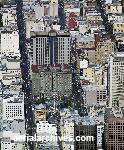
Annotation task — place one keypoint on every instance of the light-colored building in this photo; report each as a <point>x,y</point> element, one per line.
<point>100,131</point>
<point>39,11</point>
<point>116,80</point>
<point>50,131</point>
<point>85,41</point>
<point>56,27</point>
<point>9,42</point>
<point>13,66</point>
<point>108,1</point>
<point>67,130</point>
<point>105,46</point>
<point>74,10</point>
<point>118,27</point>
<point>10,70</point>
<point>83,27</point>
<point>99,76</point>
<point>53,10</point>
<point>114,9</point>
<point>93,16</point>
<point>90,55</point>
<point>7,144</point>
<point>9,17</point>
<point>13,135</point>
<point>86,48</point>
<point>115,17</point>
<point>13,121</point>
<point>119,37</point>
<point>86,53</point>
<point>33,25</point>
<point>95,95</point>
<point>6,2</point>
<point>88,74</point>
<point>13,107</point>
<point>45,127</point>
<point>40,113</point>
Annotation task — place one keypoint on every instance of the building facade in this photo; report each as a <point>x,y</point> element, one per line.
<point>9,42</point>
<point>94,95</point>
<point>67,130</point>
<point>13,108</point>
<point>118,27</point>
<point>60,83</point>
<point>50,47</point>
<point>53,9</point>
<point>86,127</point>
<point>116,80</point>
<point>104,47</point>
<point>114,129</point>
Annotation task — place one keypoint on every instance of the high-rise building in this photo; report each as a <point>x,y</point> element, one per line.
<point>116,80</point>
<point>60,82</point>
<point>53,10</point>
<point>105,46</point>
<point>122,2</point>
<point>114,137</point>
<point>50,47</point>
<point>88,128</point>
<point>100,131</point>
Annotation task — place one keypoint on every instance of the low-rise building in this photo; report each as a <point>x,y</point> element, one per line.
<point>114,9</point>
<point>118,27</point>
<point>13,107</point>
<point>47,130</point>
<point>67,130</point>
<point>13,132</point>
<point>95,95</point>
<point>88,73</point>
<point>9,42</point>
<point>9,17</point>
<point>40,112</point>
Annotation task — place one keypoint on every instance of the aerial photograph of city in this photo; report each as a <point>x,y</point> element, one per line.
<point>61,74</point>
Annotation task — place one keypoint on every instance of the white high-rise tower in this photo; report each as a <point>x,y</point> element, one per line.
<point>53,10</point>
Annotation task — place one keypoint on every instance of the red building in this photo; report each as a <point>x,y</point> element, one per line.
<point>72,24</point>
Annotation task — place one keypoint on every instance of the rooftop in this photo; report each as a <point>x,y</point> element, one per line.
<point>11,98</point>
<point>86,120</point>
